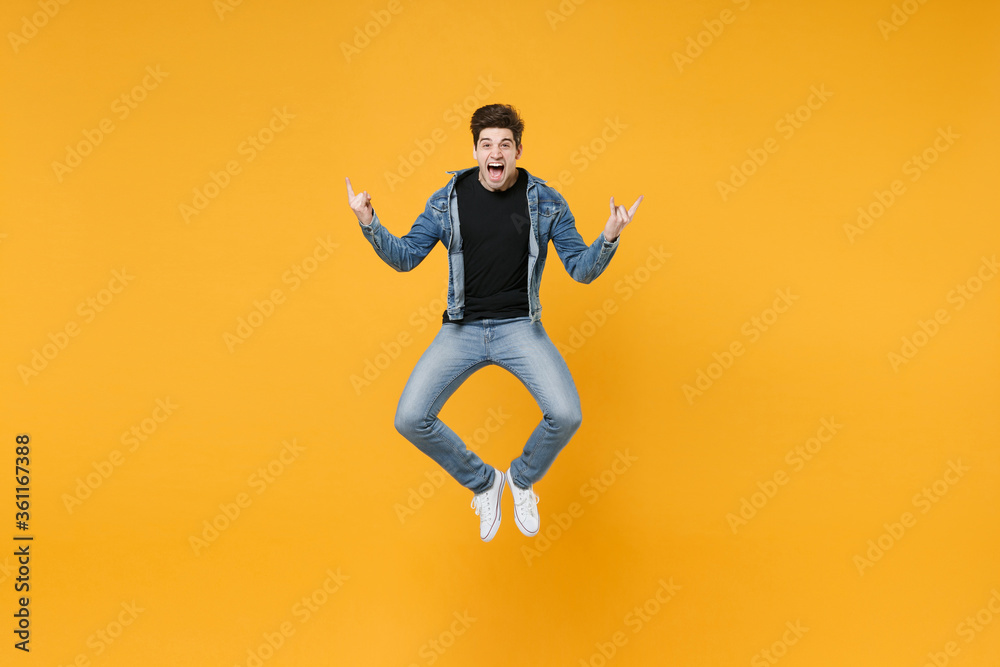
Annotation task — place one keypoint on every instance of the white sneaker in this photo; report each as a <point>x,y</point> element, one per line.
<point>487,506</point>
<point>525,510</point>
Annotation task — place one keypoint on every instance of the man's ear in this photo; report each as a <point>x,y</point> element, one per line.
<point>520,149</point>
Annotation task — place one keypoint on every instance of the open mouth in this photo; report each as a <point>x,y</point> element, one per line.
<point>495,170</point>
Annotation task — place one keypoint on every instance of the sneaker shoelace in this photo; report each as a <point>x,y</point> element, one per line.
<point>527,501</point>
<point>478,502</point>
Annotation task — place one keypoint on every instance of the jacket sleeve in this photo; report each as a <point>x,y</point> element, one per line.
<point>583,263</point>
<point>403,254</point>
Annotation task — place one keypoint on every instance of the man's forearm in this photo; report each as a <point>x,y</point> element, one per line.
<point>402,254</point>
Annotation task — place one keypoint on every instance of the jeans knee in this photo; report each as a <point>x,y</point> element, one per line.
<point>407,424</point>
<point>575,420</point>
<point>567,420</point>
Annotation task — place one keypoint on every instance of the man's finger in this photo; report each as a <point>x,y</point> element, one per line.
<point>631,211</point>
<point>350,190</point>
<point>612,205</point>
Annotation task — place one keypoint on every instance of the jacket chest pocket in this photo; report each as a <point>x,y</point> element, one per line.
<point>547,213</point>
<point>547,210</point>
<point>440,210</point>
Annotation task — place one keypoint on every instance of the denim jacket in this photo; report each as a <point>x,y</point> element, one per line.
<point>550,218</point>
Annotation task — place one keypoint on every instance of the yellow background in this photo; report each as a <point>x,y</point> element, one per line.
<point>335,507</point>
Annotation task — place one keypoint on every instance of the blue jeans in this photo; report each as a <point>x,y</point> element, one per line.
<point>458,351</point>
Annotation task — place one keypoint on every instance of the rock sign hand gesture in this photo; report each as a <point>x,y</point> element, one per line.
<point>619,219</point>
<point>361,203</point>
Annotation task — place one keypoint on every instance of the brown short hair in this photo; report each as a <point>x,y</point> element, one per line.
<point>502,116</point>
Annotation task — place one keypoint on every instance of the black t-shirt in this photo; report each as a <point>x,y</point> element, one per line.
<point>495,228</point>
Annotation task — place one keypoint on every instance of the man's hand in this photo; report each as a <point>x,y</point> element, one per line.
<point>619,219</point>
<point>361,204</point>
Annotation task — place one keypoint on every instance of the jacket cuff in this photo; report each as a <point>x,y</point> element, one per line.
<point>373,226</point>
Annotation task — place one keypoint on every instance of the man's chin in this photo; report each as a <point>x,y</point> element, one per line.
<point>504,181</point>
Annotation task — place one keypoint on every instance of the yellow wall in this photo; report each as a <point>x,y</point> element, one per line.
<point>790,422</point>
